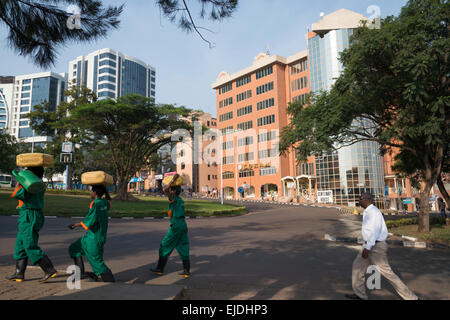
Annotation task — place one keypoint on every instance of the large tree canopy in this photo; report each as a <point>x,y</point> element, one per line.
<point>394,90</point>
<point>133,128</point>
<point>58,126</point>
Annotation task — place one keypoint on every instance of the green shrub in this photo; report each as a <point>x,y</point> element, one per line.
<point>411,221</point>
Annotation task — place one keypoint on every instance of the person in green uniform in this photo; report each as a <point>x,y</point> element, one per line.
<point>31,221</point>
<point>177,236</point>
<point>92,243</point>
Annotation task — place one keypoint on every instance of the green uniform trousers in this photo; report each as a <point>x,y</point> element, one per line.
<point>176,238</point>
<point>93,251</point>
<point>30,222</point>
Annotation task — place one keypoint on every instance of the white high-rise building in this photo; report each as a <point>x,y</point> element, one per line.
<point>21,94</point>
<point>6,102</point>
<point>111,74</point>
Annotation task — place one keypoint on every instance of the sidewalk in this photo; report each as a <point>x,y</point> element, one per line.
<point>57,289</point>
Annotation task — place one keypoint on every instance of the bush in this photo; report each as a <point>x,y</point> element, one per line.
<point>411,221</point>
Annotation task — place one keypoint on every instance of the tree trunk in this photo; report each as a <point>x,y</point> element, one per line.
<point>444,193</point>
<point>424,208</point>
<point>122,192</point>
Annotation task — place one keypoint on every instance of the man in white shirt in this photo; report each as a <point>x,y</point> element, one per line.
<point>374,252</point>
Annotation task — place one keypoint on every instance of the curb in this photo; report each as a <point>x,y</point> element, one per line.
<point>406,243</point>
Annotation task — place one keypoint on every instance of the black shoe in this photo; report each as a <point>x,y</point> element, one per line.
<point>84,275</point>
<point>159,270</point>
<point>46,266</point>
<point>19,276</point>
<point>186,269</point>
<point>107,276</point>
<point>353,297</point>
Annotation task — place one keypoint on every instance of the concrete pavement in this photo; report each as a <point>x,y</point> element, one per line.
<point>275,252</point>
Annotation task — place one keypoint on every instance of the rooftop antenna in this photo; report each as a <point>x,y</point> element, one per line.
<point>268,50</point>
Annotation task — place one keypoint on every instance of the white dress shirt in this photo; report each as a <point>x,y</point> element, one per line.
<point>373,226</point>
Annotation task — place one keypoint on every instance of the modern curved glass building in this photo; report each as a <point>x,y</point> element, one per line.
<point>111,74</point>
<point>351,170</point>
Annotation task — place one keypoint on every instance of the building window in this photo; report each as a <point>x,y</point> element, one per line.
<point>245,141</point>
<point>107,78</point>
<point>267,136</point>
<point>264,72</point>
<point>267,171</point>
<point>265,104</point>
<point>107,70</point>
<point>246,173</point>
<point>228,175</point>
<point>245,126</point>
<point>108,55</point>
<point>226,102</point>
<point>107,86</point>
<point>264,88</point>
<point>228,160</point>
<point>244,95</point>
<point>269,153</point>
<point>106,94</point>
<point>299,84</point>
<point>226,130</point>
<point>225,88</point>
<point>244,157</point>
<point>228,145</point>
<point>226,116</point>
<point>299,67</point>
<point>243,111</point>
<point>264,121</point>
<point>243,81</point>
<point>108,63</point>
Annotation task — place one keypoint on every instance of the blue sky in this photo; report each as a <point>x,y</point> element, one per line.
<point>185,65</point>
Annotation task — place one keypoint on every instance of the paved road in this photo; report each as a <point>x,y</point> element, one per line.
<point>274,252</point>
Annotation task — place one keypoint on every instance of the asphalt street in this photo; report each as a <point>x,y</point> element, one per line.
<point>274,252</point>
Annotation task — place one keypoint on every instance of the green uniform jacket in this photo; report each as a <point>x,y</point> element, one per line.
<point>31,221</point>
<point>96,221</point>
<point>91,244</point>
<point>177,236</point>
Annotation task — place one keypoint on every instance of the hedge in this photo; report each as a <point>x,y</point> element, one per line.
<point>412,221</point>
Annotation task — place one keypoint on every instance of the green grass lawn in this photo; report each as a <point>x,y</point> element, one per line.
<point>438,233</point>
<point>78,206</point>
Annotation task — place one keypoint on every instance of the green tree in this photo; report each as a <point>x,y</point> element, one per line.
<point>394,90</point>
<point>58,126</point>
<point>8,153</point>
<point>133,128</point>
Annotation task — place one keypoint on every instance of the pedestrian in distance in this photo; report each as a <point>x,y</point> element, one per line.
<point>441,205</point>
<point>92,243</point>
<point>177,236</point>
<point>31,220</point>
<point>374,253</point>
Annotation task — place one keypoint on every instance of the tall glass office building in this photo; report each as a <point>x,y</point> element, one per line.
<point>351,170</point>
<point>28,91</point>
<point>111,74</point>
